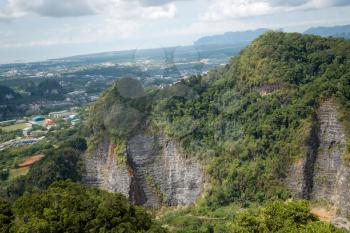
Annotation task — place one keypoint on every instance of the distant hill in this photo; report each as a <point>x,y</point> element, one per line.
<point>50,89</point>
<point>231,37</point>
<point>189,52</point>
<point>7,94</point>
<point>336,31</point>
<point>47,89</point>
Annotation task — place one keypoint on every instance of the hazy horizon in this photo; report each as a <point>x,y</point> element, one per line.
<point>47,29</point>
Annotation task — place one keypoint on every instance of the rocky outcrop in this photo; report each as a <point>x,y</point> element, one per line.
<point>267,89</point>
<point>156,172</point>
<point>103,171</point>
<point>340,222</point>
<point>163,173</point>
<point>301,173</point>
<point>324,174</point>
<point>332,172</point>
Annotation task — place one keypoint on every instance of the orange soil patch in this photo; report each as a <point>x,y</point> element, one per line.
<point>30,161</point>
<point>326,215</point>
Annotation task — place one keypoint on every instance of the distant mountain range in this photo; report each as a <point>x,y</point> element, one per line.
<point>336,31</point>
<point>239,37</point>
<point>245,37</point>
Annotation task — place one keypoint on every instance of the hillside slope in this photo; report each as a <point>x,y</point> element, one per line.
<point>256,129</point>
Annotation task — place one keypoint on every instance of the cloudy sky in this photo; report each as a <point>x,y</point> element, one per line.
<point>40,29</point>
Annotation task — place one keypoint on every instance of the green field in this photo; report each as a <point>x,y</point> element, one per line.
<point>14,127</point>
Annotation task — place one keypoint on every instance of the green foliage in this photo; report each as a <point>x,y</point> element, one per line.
<point>278,216</point>
<point>190,220</point>
<point>77,143</point>
<point>60,164</point>
<point>9,158</point>
<point>4,174</point>
<point>7,95</point>
<point>49,89</point>
<point>70,207</point>
<point>6,136</point>
<point>6,216</point>
<point>38,127</point>
<point>118,112</point>
<point>120,150</point>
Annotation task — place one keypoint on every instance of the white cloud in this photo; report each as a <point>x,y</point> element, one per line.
<point>117,19</point>
<point>128,9</point>
<point>157,2</point>
<point>157,12</point>
<point>133,10</point>
<point>70,34</point>
<point>224,9</point>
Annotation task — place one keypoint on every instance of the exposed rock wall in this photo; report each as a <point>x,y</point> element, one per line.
<point>163,173</point>
<point>332,172</point>
<point>301,173</point>
<point>157,173</point>
<point>324,174</point>
<point>103,171</point>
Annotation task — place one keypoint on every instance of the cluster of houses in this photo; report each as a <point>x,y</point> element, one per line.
<point>39,126</point>
<point>20,142</point>
<point>49,122</point>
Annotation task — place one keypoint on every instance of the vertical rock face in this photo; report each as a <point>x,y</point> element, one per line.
<point>324,174</point>
<point>295,180</point>
<point>162,172</point>
<point>332,173</point>
<point>157,173</point>
<point>301,173</point>
<point>103,171</point>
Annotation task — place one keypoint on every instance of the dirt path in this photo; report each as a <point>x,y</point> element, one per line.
<point>326,215</point>
<point>30,161</point>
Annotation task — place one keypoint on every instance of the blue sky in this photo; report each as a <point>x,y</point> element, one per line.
<point>42,29</point>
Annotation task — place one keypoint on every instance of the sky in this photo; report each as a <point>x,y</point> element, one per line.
<point>34,30</point>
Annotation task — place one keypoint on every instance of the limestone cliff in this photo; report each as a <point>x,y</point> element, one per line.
<point>103,171</point>
<point>156,171</point>
<point>323,173</point>
<point>332,172</point>
<point>301,173</point>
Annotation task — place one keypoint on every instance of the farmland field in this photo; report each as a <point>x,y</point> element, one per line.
<point>14,127</point>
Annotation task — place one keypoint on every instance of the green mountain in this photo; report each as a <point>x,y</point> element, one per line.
<point>266,126</point>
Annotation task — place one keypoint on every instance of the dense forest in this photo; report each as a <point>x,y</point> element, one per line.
<point>245,122</point>
<point>69,207</point>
